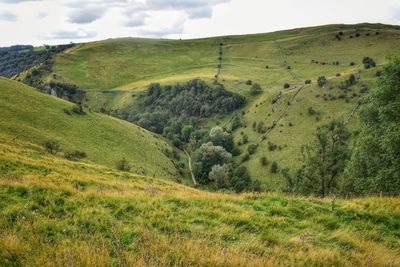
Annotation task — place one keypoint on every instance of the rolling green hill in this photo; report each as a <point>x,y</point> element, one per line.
<point>29,115</point>
<point>115,71</point>
<point>55,212</point>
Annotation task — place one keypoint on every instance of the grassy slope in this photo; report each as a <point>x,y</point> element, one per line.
<point>131,64</point>
<point>29,115</point>
<point>55,212</point>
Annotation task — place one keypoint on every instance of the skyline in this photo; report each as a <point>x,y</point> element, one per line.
<point>40,22</point>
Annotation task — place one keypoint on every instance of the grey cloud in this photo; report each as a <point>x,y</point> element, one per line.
<point>42,15</point>
<point>135,22</point>
<point>78,34</point>
<point>175,29</point>
<point>86,15</point>
<point>7,16</point>
<point>194,8</point>
<point>200,12</point>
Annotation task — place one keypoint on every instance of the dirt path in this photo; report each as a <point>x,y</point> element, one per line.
<point>190,167</point>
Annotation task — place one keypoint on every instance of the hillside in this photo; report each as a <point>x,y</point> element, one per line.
<point>34,117</point>
<point>114,72</point>
<point>55,212</point>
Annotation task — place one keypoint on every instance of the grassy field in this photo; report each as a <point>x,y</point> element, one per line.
<point>115,71</point>
<point>55,212</point>
<point>29,115</point>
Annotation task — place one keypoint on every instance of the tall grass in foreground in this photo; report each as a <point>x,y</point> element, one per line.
<point>59,213</point>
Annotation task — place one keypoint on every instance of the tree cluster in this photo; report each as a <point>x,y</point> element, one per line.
<point>19,58</point>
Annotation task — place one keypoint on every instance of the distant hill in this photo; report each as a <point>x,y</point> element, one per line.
<point>114,72</point>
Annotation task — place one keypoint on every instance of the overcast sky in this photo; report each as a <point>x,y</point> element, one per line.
<point>40,22</point>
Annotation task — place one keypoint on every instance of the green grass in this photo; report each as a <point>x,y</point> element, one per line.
<point>29,115</point>
<point>55,212</point>
<point>129,65</point>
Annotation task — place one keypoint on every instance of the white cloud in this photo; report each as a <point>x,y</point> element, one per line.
<point>54,21</point>
<point>70,35</point>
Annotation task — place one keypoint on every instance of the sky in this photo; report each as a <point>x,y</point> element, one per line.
<point>39,22</point>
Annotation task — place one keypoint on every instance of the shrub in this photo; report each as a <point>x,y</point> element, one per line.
<point>322,81</point>
<point>249,82</point>
<point>352,63</point>
<point>311,111</point>
<point>307,82</point>
<point>261,127</point>
<point>252,148</point>
<point>245,139</point>
<point>286,85</point>
<point>255,89</point>
<point>245,157</point>
<point>272,146</point>
<point>77,109</point>
<point>369,63</point>
<point>123,165</point>
<point>274,167</point>
<point>264,161</point>
<point>51,146</point>
<point>75,155</point>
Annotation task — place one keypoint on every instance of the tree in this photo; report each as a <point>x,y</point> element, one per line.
<point>51,146</point>
<point>123,165</point>
<point>324,160</point>
<point>241,179</point>
<point>369,62</point>
<point>322,81</point>
<point>255,89</point>
<point>219,137</point>
<point>286,86</point>
<point>206,157</point>
<point>374,166</point>
<point>186,132</point>
<point>220,174</point>
<point>351,80</point>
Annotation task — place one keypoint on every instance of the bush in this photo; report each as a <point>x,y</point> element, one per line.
<point>286,85</point>
<point>245,139</point>
<point>245,157</point>
<point>369,63</point>
<point>75,155</point>
<point>264,161</point>
<point>255,89</point>
<point>123,165</point>
<point>77,109</point>
<point>261,127</point>
<point>272,146</point>
<point>252,148</point>
<point>311,111</point>
<point>51,146</point>
<point>274,167</point>
<point>249,82</point>
<point>307,82</point>
<point>322,81</point>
